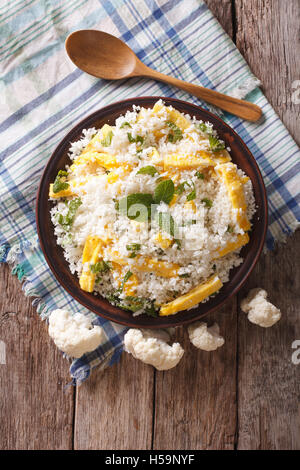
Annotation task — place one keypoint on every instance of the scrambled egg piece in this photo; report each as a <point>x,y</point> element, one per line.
<point>131,284</point>
<point>234,186</point>
<point>95,143</point>
<point>242,239</point>
<point>189,162</point>
<point>64,193</point>
<point>91,254</point>
<point>163,242</point>
<point>160,268</point>
<point>192,298</point>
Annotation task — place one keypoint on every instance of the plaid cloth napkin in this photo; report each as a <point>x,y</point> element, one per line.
<point>45,95</point>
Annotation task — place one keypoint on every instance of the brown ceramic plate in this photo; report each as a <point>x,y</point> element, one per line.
<point>54,254</point>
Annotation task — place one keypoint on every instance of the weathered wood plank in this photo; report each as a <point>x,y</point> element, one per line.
<point>268,37</point>
<point>114,409</point>
<point>36,410</point>
<point>223,12</point>
<point>268,381</point>
<point>196,401</point>
<point>267,33</point>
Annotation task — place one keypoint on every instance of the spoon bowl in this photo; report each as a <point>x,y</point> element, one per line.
<point>101,54</point>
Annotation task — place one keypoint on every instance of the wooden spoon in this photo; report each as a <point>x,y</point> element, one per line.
<point>105,56</point>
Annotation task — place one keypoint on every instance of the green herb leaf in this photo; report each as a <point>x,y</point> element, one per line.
<point>178,243</point>
<point>116,204</point>
<point>130,138</point>
<point>107,141</point>
<point>166,222</point>
<point>204,127</point>
<point>199,175</point>
<point>230,229</point>
<point>192,195</point>
<point>207,202</point>
<point>175,134</point>
<point>126,277</point>
<point>100,267</point>
<point>133,247</point>
<point>147,170</point>
<point>132,255</point>
<point>137,303</point>
<point>133,304</point>
<point>67,220</point>
<point>184,275</point>
<point>164,191</point>
<point>182,187</point>
<point>141,214</point>
<point>138,139</point>
<point>125,124</point>
<point>151,311</point>
<point>60,183</point>
<point>215,143</point>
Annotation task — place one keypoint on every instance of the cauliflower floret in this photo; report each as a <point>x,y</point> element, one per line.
<point>260,311</point>
<point>205,338</point>
<point>74,334</point>
<point>152,348</point>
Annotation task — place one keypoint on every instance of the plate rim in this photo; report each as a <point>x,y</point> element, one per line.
<point>164,321</point>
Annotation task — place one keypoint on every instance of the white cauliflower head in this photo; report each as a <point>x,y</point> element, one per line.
<point>74,334</point>
<point>260,311</point>
<point>151,347</point>
<point>205,338</point>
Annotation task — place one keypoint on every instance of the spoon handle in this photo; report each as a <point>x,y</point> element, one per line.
<point>241,108</point>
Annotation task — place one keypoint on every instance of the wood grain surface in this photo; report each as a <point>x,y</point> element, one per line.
<point>243,396</point>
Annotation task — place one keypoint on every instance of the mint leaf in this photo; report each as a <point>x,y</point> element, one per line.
<point>138,138</point>
<point>178,243</point>
<point>60,183</point>
<point>99,267</point>
<point>215,143</point>
<point>107,141</point>
<point>164,191</point>
<point>67,220</point>
<point>199,175</point>
<point>133,247</point>
<point>204,127</point>
<point>175,134</point>
<point>137,303</point>
<point>130,138</point>
<point>147,170</point>
<point>161,178</point>
<point>125,124</point>
<point>192,195</point>
<point>166,222</point>
<point>182,187</point>
<point>126,277</point>
<point>141,214</point>
<point>207,202</point>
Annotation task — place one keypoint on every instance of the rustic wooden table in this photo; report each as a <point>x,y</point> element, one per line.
<point>243,396</point>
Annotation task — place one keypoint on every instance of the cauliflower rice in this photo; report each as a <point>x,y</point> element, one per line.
<point>150,209</point>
